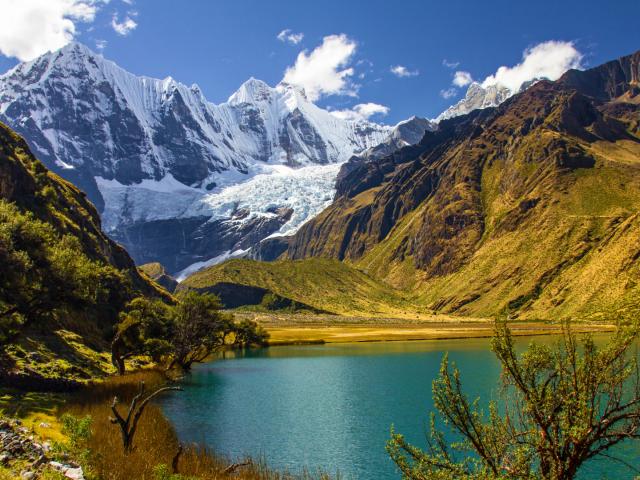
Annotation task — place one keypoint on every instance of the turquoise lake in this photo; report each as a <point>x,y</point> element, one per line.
<point>330,407</point>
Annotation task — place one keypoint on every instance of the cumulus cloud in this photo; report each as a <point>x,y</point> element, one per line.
<point>124,27</point>
<point>461,79</point>
<point>290,37</point>
<point>29,28</point>
<point>545,60</point>
<point>101,44</point>
<point>325,70</point>
<point>402,71</point>
<point>449,93</point>
<point>362,111</point>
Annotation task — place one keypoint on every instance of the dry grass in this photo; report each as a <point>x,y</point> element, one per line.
<point>293,328</point>
<point>155,442</point>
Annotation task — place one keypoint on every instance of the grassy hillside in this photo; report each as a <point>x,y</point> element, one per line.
<point>156,272</point>
<point>63,280</point>
<point>323,284</point>
<point>530,208</point>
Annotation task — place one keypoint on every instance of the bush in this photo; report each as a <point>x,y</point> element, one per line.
<point>77,429</point>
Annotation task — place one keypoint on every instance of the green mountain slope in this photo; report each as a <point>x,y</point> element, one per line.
<point>158,274</point>
<point>531,207</point>
<point>63,280</point>
<point>319,284</point>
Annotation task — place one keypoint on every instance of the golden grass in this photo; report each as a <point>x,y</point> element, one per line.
<point>292,328</point>
<point>155,442</point>
<point>347,334</point>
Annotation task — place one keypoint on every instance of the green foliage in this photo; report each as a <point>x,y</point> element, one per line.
<point>563,405</point>
<point>184,333</point>
<point>163,472</point>
<point>46,275</point>
<point>273,302</point>
<point>77,429</point>
<point>248,333</point>
<point>143,330</point>
<point>199,327</point>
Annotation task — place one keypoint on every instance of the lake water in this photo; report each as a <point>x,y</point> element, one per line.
<point>331,406</point>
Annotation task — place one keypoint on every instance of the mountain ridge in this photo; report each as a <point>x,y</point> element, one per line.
<point>127,140</point>
<point>457,217</point>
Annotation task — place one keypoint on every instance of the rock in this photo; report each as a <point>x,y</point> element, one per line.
<point>45,425</point>
<point>28,475</point>
<point>42,459</point>
<point>74,473</point>
<point>56,465</point>
<point>4,458</point>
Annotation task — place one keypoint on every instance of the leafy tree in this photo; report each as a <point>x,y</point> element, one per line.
<point>184,333</point>
<point>45,275</point>
<point>248,333</point>
<point>199,328</point>
<point>562,406</point>
<point>144,329</point>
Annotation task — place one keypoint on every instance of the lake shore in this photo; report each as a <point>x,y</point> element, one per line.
<point>287,329</point>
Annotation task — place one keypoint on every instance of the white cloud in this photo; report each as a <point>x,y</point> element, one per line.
<point>125,27</point>
<point>325,70</point>
<point>545,60</point>
<point>362,111</point>
<point>460,79</point>
<point>288,36</point>
<point>101,44</point>
<point>29,28</point>
<point>449,93</point>
<point>401,71</point>
<point>449,64</point>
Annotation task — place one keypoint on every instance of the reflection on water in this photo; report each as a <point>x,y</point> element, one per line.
<point>330,406</point>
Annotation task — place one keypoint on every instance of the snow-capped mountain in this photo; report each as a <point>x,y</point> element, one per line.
<point>477,97</point>
<point>408,132</point>
<point>178,179</point>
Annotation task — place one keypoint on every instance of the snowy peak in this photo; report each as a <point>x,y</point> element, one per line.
<point>477,97</point>
<point>83,111</point>
<point>158,159</point>
<point>480,96</point>
<point>252,91</point>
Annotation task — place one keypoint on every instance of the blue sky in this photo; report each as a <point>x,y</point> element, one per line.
<point>219,44</point>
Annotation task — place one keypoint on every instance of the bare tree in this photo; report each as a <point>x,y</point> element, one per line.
<point>129,424</point>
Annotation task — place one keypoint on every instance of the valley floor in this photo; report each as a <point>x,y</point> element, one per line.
<point>305,328</point>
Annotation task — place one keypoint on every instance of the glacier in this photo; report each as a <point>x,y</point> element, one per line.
<point>181,180</point>
<point>156,157</point>
<point>304,190</point>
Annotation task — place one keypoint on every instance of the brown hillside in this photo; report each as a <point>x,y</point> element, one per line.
<point>531,207</point>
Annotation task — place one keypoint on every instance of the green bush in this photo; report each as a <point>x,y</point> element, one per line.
<point>77,429</point>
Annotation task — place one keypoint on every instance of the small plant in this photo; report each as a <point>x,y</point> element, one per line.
<point>77,429</point>
<point>163,472</point>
